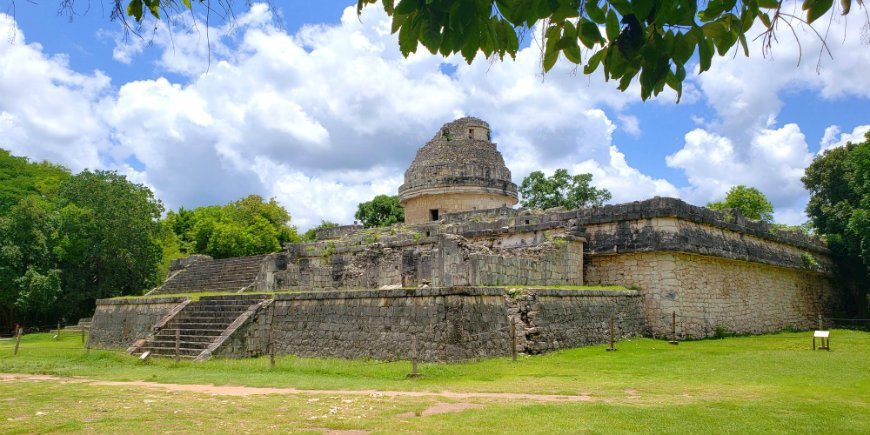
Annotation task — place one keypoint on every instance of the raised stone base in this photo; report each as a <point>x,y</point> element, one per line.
<point>450,324</point>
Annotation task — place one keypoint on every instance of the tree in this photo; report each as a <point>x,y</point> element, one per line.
<point>749,200</point>
<point>29,277</point>
<point>109,239</point>
<point>19,178</point>
<point>382,211</point>
<point>561,190</point>
<point>651,39</point>
<point>839,208</point>
<point>249,226</point>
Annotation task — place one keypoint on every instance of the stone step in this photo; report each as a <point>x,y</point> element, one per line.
<point>211,332</point>
<point>166,351</point>
<point>185,338</point>
<point>181,343</point>
<point>198,325</point>
<point>226,319</point>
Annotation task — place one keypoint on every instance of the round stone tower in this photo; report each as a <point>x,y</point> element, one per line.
<point>460,169</point>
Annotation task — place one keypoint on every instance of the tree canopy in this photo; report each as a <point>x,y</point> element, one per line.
<point>561,190</point>
<point>20,177</point>
<point>649,39</point>
<point>70,239</point>
<point>839,207</point>
<point>249,226</point>
<point>382,211</point>
<point>749,200</point>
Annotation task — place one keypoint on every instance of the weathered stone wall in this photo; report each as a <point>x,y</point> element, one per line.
<point>462,262</point>
<point>117,323</point>
<point>336,232</point>
<point>712,292</point>
<point>450,324</point>
<point>521,257</point>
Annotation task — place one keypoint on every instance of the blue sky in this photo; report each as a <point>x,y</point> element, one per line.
<point>304,102</point>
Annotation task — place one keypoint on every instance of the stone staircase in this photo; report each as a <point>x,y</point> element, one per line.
<point>224,275</point>
<point>202,326</point>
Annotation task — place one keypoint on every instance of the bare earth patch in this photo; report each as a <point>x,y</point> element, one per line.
<point>231,390</point>
<point>442,408</point>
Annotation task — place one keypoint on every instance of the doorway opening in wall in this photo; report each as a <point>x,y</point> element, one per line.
<point>433,214</point>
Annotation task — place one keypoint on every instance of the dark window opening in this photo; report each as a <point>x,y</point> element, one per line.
<point>471,133</point>
<point>487,173</point>
<point>433,214</point>
<point>527,221</point>
<point>427,234</point>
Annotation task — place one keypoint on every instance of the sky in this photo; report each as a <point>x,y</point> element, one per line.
<point>310,104</point>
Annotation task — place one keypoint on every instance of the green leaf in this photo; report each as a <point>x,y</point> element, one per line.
<point>683,49</point>
<point>405,7</point>
<point>816,8</point>
<point>134,9</point>
<point>596,14</point>
<point>725,42</point>
<point>589,34</point>
<point>407,39</point>
<point>187,4</point>
<point>643,8</point>
<point>847,5</point>
<point>572,53</point>
<point>154,7</point>
<point>593,61</point>
<point>705,53</point>
<point>622,6</point>
<point>742,38</point>
<point>551,51</point>
<point>714,29</point>
<point>768,4</point>
<point>612,26</point>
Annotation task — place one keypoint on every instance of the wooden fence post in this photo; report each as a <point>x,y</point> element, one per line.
<point>177,343</point>
<point>271,336</point>
<point>513,340</point>
<point>414,372</point>
<point>611,348</point>
<point>17,340</point>
<point>674,329</point>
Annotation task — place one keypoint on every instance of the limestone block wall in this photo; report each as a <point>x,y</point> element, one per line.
<point>450,324</point>
<point>707,292</point>
<point>417,210</point>
<point>117,323</point>
<point>459,262</point>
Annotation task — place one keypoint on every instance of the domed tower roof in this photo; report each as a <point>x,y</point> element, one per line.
<point>460,159</point>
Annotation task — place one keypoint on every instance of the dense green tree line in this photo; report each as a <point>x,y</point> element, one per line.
<point>67,240</point>
<point>839,208</point>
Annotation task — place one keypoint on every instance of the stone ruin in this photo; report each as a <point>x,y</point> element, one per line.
<point>457,279</point>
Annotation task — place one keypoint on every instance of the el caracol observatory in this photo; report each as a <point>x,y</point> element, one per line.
<point>460,169</point>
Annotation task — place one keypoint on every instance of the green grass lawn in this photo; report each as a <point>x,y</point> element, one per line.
<point>770,383</point>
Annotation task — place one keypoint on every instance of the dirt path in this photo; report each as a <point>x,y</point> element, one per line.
<point>230,390</point>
